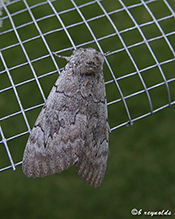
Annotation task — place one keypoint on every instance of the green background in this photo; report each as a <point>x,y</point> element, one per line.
<point>140,172</point>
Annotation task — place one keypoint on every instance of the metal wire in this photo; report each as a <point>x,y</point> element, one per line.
<point>8,22</point>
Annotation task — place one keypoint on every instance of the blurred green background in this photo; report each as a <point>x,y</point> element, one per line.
<point>140,172</point>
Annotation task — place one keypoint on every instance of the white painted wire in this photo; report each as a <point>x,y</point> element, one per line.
<point>7,15</point>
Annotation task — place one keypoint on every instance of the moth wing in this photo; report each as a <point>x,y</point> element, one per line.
<point>92,161</point>
<point>91,164</point>
<point>54,141</point>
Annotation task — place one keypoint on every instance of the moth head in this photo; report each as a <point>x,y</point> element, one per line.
<point>87,60</point>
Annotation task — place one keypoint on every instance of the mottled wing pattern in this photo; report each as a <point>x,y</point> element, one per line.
<point>91,164</point>
<point>72,126</point>
<point>55,138</point>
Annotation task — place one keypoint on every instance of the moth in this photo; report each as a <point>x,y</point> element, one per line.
<point>72,127</point>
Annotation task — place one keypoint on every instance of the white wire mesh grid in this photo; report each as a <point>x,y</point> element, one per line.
<point>21,17</point>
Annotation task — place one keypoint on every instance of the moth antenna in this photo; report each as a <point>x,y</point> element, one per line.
<point>106,53</point>
<point>63,57</point>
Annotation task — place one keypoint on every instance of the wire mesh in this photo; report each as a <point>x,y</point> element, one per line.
<point>138,70</point>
